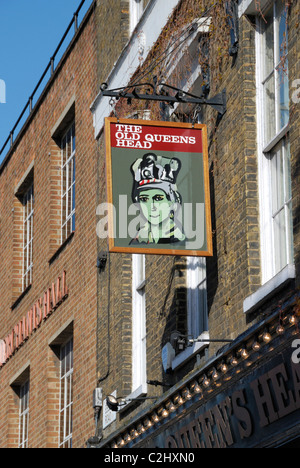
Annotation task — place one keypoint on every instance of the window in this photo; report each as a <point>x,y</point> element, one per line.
<point>68,183</point>
<point>197,318</point>
<point>139,358</point>
<point>275,83</point>
<point>281,204</point>
<point>24,415</point>
<point>273,141</point>
<point>136,11</point>
<point>66,395</point>
<point>28,211</point>
<point>23,214</point>
<point>190,52</point>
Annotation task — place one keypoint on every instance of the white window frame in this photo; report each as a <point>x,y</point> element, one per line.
<point>24,415</point>
<point>68,166</point>
<point>66,392</point>
<point>28,214</point>
<point>269,257</point>
<point>136,11</point>
<point>196,297</point>
<point>197,310</point>
<point>139,338</point>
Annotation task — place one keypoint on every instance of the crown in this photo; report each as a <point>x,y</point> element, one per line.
<point>154,169</point>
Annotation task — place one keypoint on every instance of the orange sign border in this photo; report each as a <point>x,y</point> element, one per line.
<point>151,250</point>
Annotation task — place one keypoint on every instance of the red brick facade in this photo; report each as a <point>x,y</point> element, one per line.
<point>73,84</point>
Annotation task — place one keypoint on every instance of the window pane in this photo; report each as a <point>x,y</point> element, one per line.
<point>64,207</point>
<point>277,179</point>
<point>288,179</point>
<point>281,205</point>
<point>280,241</point>
<point>24,415</point>
<point>69,148</point>
<point>268,62</point>
<point>73,223</point>
<point>284,94</point>
<point>269,109</point>
<point>197,319</point>
<point>68,183</point>
<point>73,138</point>
<point>64,180</point>
<point>28,212</point>
<point>66,396</point>
<point>68,227</point>
<point>281,16</point>
<point>70,175</point>
<point>64,151</point>
<point>69,210</point>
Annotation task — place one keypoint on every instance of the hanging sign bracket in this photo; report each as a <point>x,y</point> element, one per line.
<point>132,92</point>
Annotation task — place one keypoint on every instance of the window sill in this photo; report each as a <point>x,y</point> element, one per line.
<point>61,248</point>
<point>188,353</point>
<point>272,287</point>
<point>20,298</point>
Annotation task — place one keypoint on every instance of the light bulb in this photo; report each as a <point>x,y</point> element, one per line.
<point>256,346</point>
<point>186,394</point>
<point>121,442</point>
<point>292,319</point>
<point>195,387</point>
<point>171,407</point>
<point>280,330</point>
<point>206,382</point>
<point>178,400</point>
<point>267,337</point>
<point>141,429</point>
<point>244,354</point>
<point>234,361</point>
<point>148,423</point>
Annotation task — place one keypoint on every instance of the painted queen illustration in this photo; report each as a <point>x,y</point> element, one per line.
<point>155,192</point>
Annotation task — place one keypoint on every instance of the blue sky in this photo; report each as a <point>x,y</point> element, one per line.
<point>30,31</point>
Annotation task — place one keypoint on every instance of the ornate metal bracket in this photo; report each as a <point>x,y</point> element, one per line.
<point>181,97</point>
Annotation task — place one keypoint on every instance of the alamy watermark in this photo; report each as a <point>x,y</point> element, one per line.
<point>2,92</point>
<point>296,93</point>
<point>153,220</point>
<point>296,353</point>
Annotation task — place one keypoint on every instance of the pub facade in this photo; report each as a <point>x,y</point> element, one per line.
<point>204,351</point>
<point>117,349</point>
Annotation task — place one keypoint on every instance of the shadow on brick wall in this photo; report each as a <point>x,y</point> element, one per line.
<point>212,262</point>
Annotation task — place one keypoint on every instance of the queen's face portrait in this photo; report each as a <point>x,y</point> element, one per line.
<point>155,206</point>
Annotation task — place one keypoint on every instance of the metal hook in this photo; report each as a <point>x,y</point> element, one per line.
<point>196,115</point>
<point>112,103</point>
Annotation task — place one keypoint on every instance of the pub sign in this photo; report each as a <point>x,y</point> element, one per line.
<point>157,188</point>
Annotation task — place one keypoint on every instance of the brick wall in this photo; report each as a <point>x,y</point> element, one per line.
<point>113,34</point>
<point>234,272</point>
<point>294,74</point>
<point>74,77</point>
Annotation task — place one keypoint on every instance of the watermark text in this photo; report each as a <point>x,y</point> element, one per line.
<point>2,92</point>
